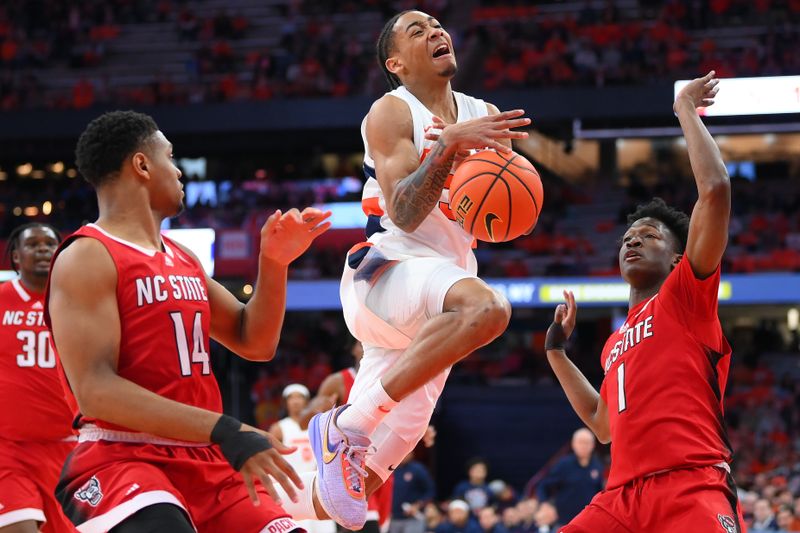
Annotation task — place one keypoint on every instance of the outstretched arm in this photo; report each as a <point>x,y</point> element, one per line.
<point>585,400</point>
<point>252,331</point>
<point>412,189</point>
<point>708,229</point>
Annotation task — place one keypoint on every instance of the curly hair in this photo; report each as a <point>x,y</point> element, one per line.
<point>108,140</point>
<point>384,48</point>
<point>676,220</point>
<point>14,239</point>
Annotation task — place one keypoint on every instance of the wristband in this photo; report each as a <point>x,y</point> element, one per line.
<point>237,446</point>
<point>555,338</point>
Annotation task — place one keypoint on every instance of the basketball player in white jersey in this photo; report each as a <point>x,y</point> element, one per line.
<point>293,432</point>
<point>410,294</point>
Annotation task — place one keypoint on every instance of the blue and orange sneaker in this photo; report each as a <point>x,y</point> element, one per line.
<point>341,470</point>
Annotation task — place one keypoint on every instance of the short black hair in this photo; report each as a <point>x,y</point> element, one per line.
<point>384,48</point>
<point>676,220</point>
<point>477,461</point>
<point>15,239</point>
<point>108,140</point>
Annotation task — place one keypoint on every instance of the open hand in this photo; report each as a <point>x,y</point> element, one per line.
<point>268,465</point>
<point>484,132</point>
<point>566,313</point>
<point>700,92</point>
<point>285,236</point>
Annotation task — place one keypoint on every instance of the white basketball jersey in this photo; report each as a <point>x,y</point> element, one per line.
<point>439,235</point>
<point>301,460</point>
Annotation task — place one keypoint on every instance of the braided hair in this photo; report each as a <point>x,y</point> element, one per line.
<point>384,48</point>
<point>15,239</point>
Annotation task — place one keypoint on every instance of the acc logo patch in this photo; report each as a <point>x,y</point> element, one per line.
<point>727,522</point>
<point>90,492</point>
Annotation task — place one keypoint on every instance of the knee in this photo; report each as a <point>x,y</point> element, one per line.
<point>487,315</point>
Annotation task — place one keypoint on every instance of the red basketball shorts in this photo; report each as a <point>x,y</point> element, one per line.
<point>691,499</point>
<point>104,483</point>
<point>28,476</point>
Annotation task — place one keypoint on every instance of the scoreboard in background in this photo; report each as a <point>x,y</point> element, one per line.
<point>769,95</point>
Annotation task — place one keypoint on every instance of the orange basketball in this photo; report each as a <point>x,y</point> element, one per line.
<point>496,197</point>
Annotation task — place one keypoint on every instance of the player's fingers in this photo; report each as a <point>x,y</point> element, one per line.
<point>559,314</point>
<point>281,448</point>
<point>711,74</point>
<point>513,123</point>
<point>508,134</point>
<point>289,471</point>
<point>272,222</point>
<point>499,147</point>
<point>505,115</point>
<point>319,230</point>
<point>314,219</point>
<point>268,484</point>
<point>432,136</point>
<point>707,102</point>
<point>284,482</point>
<point>292,215</point>
<point>251,488</point>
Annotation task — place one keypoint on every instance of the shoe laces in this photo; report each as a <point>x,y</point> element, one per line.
<point>356,457</point>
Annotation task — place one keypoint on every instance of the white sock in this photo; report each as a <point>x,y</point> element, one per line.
<point>367,411</point>
<point>304,508</point>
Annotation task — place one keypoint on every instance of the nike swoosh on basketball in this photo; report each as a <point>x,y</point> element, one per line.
<point>327,454</point>
<point>490,217</point>
<point>391,468</point>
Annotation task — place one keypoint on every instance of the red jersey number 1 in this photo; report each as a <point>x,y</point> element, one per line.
<point>622,402</point>
<point>199,353</point>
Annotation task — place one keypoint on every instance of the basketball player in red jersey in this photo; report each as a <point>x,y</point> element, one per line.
<point>660,404</point>
<point>411,293</point>
<point>131,313</point>
<point>36,423</point>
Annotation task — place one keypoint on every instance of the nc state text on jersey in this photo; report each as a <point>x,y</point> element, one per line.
<point>631,336</point>
<point>157,288</point>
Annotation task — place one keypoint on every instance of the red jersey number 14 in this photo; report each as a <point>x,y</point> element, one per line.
<point>199,352</point>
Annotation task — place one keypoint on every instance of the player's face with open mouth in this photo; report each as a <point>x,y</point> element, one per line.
<point>424,44</point>
<point>647,252</point>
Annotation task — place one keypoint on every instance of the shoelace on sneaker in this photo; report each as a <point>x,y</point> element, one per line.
<point>356,456</point>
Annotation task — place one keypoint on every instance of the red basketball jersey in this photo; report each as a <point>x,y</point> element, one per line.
<point>33,402</point>
<point>348,379</point>
<point>666,370</point>
<point>164,317</point>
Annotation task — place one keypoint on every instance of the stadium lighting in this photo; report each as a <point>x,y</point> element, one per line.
<point>47,207</point>
<point>25,169</point>
<point>247,290</point>
<point>767,95</point>
<point>58,167</point>
<point>17,211</point>
<point>793,319</point>
<point>71,173</point>
<point>31,211</point>
<point>37,174</point>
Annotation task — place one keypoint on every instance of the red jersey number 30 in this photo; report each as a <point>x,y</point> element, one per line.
<point>36,350</point>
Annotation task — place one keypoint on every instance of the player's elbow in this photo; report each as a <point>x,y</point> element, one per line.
<point>716,189</point>
<point>259,354</point>
<point>603,437</point>
<point>92,397</point>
